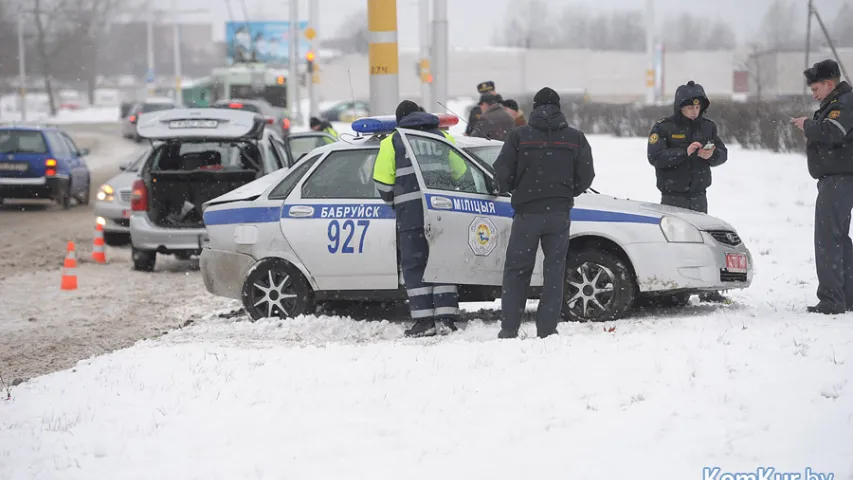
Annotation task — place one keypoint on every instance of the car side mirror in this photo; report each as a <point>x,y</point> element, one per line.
<point>123,166</point>
<point>83,152</point>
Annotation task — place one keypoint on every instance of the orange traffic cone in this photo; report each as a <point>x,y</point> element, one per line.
<point>69,278</point>
<point>98,248</point>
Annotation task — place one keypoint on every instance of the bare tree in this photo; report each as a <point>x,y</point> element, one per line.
<point>691,32</point>
<point>782,26</point>
<point>354,35</point>
<point>529,27</point>
<point>627,31</point>
<point>575,28</point>
<point>721,36</point>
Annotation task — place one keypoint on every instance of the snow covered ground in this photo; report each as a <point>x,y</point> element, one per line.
<point>660,394</point>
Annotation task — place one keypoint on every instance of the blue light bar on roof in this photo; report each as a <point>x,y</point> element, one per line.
<point>387,123</point>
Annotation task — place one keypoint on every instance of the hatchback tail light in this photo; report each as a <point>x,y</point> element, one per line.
<point>270,121</point>
<point>139,196</point>
<point>50,167</point>
<point>132,118</point>
<point>286,123</point>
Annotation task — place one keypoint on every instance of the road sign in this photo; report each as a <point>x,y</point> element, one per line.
<point>149,76</point>
<point>310,33</point>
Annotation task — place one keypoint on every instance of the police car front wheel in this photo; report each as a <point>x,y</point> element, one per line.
<point>599,287</point>
<point>276,289</point>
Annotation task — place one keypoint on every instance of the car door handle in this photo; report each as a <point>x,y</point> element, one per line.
<point>441,203</point>
<point>300,211</point>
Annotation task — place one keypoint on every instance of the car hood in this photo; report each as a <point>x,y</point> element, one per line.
<point>606,202</point>
<point>123,181</point>
<point>250,190</point>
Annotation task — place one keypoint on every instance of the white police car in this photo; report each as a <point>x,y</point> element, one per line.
<point>321,232</point>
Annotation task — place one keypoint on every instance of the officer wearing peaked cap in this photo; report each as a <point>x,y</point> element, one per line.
<point>829,153</point>
<point>483,88</point>
<point>433,307</point>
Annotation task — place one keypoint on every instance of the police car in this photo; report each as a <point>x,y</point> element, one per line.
<point>321,232</point>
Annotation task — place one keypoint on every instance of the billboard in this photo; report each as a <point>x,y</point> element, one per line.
<point>269,42</point>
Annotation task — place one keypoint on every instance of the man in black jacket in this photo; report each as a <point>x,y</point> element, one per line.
<point>545,165</point>
<point>683,147</point>
<point>829,151</point>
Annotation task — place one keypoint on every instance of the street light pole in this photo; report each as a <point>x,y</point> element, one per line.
<point>314,23</point>
<point>292,63</point>
<point>440,51</point>
<point>22,67</point>
<point>176,46</point>
<point>149,75</point>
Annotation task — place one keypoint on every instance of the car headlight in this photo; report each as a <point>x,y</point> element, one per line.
<point>106,193</point>
<point>680,231</point>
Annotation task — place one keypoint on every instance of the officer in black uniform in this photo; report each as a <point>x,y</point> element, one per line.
<point>482,88</point>
<point>829,150</point>
<point>683,147</point>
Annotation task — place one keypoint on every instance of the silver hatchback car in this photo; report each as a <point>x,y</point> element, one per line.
<point>202,153</point>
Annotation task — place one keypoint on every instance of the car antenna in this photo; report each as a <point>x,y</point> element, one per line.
<point>352,94</point>
<point>460,118</point>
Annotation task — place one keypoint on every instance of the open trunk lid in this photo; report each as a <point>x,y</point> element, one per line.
<point>196,124</point>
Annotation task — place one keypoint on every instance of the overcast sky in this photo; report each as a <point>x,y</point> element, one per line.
<point>472,22</point>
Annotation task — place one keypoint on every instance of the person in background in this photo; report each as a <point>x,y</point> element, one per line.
<point>495,122</point>
<point>474,116</point>
<point>829,152</point>
<point>320,125</point>
<point>512,107</point>
<point>434,308</point>
<point>544,165</point>
<point>683,147</point>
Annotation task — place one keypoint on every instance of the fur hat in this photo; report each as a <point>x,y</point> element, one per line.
<point>546,96</point>
<point>824,70</point>
<point>484,87</point>
<point>406,107</point>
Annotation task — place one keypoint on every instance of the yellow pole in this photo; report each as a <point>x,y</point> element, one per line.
<point>383,55</point>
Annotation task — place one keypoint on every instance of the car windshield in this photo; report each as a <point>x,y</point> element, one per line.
<point>190,156</point>
<point>487,154</point>
<point>249,107</point>
<point>155,107</point>
<point>22,141</point>
<point>301,145</point>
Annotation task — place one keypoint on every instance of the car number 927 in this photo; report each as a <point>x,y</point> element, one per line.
<point>341,235</point>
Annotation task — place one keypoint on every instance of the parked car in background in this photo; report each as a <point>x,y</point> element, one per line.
<point>154,104</point>
<point>300,143</point>
<point>347,111</point>
<point>112,202</point>
<point>276,118</point>
<point>42,163</point>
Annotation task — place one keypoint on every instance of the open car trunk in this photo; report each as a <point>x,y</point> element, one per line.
<point>188,174</point>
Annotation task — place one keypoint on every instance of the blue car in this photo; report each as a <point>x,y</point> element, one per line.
<point>42,163</point>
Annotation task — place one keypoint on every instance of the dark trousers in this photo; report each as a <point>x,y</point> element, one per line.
<point>528,230</point>
<point>695,202</point>
<point>833,249</point>
<point>426,301</point>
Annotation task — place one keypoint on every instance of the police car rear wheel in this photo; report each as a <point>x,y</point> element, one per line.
<point>276,289</point>
<point>599,287</point>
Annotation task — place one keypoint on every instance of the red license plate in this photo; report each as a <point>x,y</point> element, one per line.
<point>126,214</point>
<point>736,262</point>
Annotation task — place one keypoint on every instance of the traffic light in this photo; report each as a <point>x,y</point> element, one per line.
<point>309,56</point>
<point>279,80</point>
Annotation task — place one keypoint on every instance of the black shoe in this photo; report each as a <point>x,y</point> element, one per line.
<point>508,333</point>
<point>421,328</point>
<point>825,309</point>
<point>445,327</point>
<point>714,297</point>
<point>546,334</point>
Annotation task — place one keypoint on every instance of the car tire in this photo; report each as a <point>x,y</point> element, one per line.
<point>272,280</point>
<point>65,197</point>
<point>599,287</point>
<point>116,239</point>
<point>183,255</point>
<point>143,260</point>
<point>84,198</point>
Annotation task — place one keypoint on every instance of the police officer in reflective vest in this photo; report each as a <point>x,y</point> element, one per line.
<point>829,151</point>
<point>433,307</point>
<point>319,125</point>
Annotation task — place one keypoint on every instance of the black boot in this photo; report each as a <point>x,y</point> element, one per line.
<point>826,309</point>
<point>714,297</point>
<point>421,328</point>
<point>508,333</point>
<point>445,326</point>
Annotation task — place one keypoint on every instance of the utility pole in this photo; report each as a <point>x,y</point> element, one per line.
<point>383,56</point>
<point>425,69</point>
<point>440,50</point>
<point>22,67</point>
<point>150,75</point>
<point>311,34</point>
<point>650,53</point>
<point>293,64</point>
<point>176,46</point>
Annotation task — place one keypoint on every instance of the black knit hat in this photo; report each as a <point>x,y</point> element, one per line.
<point>406,107</point>
<point>824,70</point>
<point>546,96</point>
<point>511,104</point>
<point>489,99</point>
<point>315,122</point>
